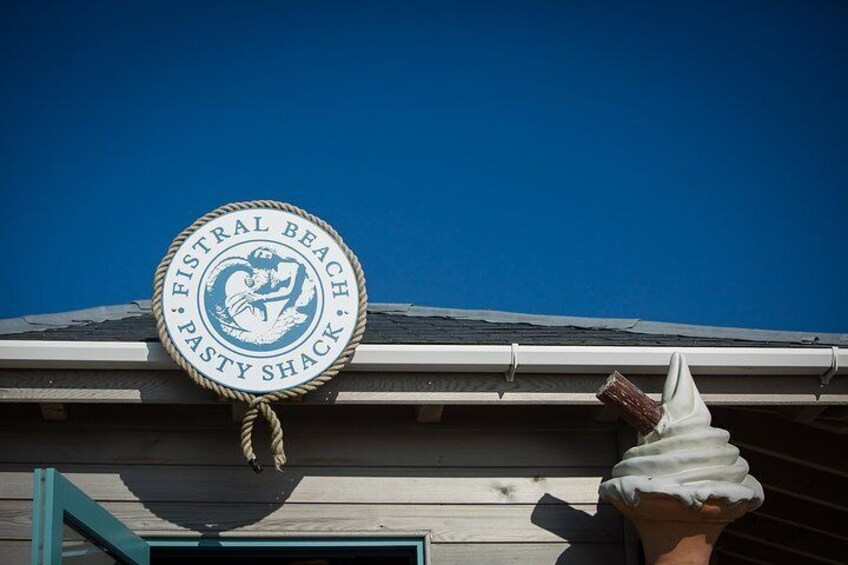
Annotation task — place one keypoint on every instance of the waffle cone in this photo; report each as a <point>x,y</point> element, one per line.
<point>674,534</point>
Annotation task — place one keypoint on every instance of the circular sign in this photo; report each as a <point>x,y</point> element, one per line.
<point>259,297</point>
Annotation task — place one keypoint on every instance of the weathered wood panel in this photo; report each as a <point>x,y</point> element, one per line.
<point>14,552</point>
<point>218,416</point>
<point>484,476</point>
<point>171,387</point>
<point>449,523</point>
<point>319,445</point>
<point>354,485</point>
<point>526,553</point>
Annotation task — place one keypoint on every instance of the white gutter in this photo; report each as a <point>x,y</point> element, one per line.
<point>25,354</point>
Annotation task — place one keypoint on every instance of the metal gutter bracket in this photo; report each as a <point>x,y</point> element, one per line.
<point>834,366</point>
<point>513,363</point>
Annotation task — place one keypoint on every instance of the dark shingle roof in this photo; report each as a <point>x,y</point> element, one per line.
<point>406,324</point>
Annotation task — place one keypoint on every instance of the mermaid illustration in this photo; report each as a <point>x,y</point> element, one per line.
<point>262,302</point>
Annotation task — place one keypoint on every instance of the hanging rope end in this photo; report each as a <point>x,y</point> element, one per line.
<point>279,461</point>
<point>256,407</point>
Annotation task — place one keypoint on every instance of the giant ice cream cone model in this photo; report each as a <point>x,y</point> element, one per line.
<point>683,482</point>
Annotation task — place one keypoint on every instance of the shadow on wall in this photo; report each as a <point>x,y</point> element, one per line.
<point>575,526</point>
<point>219,507</point>
<point>211,499</point>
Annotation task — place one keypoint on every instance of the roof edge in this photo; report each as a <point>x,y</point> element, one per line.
<point>632,325</point>
<point>38,322</point>
<point>136,308</point>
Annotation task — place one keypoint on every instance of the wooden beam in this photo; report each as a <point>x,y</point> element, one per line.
<point>54,411</point>
<point>429,413</point>
<point>777,532</point>
<point>776,437</point>
<point>173,387</point>
<point>803,513</point>
<point>801,414</point>
<point>774,531</point>
<point>816,485</point>
<point>730,543</point>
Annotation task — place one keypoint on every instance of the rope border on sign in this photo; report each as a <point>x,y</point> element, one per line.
<point>258,403</point>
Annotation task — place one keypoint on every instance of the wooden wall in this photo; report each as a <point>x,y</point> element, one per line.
<point>488,484</point>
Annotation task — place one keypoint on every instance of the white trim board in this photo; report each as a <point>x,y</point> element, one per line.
<point>116,386</point>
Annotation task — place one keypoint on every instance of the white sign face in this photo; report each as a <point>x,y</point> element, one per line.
<point>260,300</point>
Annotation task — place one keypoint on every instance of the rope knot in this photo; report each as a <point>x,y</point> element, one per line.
<point>257,406</point>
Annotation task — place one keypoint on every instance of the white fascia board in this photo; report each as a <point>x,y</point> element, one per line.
<point>438,358</point>
<point>21,354</point>
<point>652,360</point>
<point>24,354</point>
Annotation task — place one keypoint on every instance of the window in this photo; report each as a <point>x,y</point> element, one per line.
<point>70,528</point>
<point>288,552</point>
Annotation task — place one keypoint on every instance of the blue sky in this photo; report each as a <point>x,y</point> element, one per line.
<point>683,163</point>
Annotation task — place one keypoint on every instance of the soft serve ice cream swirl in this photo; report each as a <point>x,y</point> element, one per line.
<point>683,457</point>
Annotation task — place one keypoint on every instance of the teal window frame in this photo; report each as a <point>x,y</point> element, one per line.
<point>417,544</point>
<point>57,501</point>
